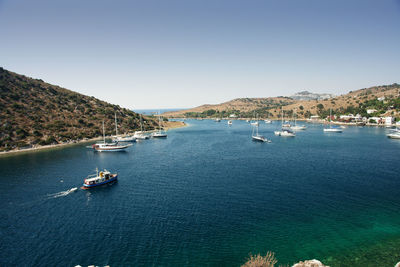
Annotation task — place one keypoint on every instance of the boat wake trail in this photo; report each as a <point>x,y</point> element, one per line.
<point>63,193</point>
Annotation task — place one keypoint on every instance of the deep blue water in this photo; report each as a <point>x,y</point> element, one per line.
<point>205,196</point>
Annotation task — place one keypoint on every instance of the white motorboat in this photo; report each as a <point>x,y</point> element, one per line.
<point>217,120</point>
<point>141,135</point>
<point>229,122</point>
<point>395,134</point>
<point>267,121</point>
<point>285,133</point>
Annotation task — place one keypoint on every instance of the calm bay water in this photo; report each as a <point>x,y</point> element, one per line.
<point>207,196</point>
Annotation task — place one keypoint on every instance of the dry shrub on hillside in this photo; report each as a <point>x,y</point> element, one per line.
<point>268,260</point>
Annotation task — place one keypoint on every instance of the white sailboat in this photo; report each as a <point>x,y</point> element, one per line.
<point>296,127</point>
<point>332,129</point>
<point>160,133</point>
<point>285,131</point>
<point>255,122</point>
<point>257,137</point>
<point>109,146</point>
<point>117,138</point>
<point>141,135</point>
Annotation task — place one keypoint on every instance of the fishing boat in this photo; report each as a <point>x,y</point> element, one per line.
<point>285,131</point>
<point>99,178</point>
<point>115,146</point>
<point>257,137</point>
<point>160,133</point>
<point>332,129</point>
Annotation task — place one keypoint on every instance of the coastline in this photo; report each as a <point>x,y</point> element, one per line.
<point>169,125</point>
<point>46,147</point>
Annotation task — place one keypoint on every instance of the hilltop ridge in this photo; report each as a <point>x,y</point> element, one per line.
<point>354,102</point>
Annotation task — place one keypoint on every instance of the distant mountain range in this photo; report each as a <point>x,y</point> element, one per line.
<point>33,112</point>
<point>305,95</point>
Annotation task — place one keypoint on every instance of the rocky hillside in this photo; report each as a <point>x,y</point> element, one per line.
<point>33,112</point>
<point>305,95</point>
<point>385,98</point>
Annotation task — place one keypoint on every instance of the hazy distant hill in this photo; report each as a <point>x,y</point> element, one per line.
<point>305,95</point>
<point>354,102</point>
<point>34,112</point>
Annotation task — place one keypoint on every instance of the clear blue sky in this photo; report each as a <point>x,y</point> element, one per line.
<point>183,53</point>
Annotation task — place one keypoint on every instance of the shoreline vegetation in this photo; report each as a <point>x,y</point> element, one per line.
<point>169,125</point>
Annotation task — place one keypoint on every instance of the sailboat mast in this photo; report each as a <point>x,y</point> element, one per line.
<point>141,123</point>
<point>116,126</point>
<point>104,134</point>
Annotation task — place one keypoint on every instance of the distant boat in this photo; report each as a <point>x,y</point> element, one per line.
<point>285,131</point>
<point>257,137</point>
<point>296,127</point>
<point>141,135</point>
<point>229,122</point>
<point>160,133</point>
<point>267,121</point>
<point>217,120</point>
<point>121,138</point>
<point>331,129</point>
<point>100,178</point>
<point>255,122</point>
<point>115,146</point>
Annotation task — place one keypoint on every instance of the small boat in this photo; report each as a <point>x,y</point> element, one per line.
<point>115,146</point>
<point>296,127</point>
<point>267,121</point>
<point>229,122</point>
<point>141,135</point>
<point>217,120</point>
<point>285,133</point>
<point>259,138</point>
<point>247,120</point>
<point>254,123</point>
<point>332,129</point>
<point>124,139</point>
<point>160,133</point>
<point>100,178</point>
<point>395,134</point>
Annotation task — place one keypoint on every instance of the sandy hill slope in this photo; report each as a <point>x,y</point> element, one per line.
<point>353,102</point>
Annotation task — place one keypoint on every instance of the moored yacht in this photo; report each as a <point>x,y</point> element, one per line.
<point>160,133</point>
<point>115,146</point>
<point>257,137</point>
<point>229,122</point>
<point>332,129</point>
<point>285,131</point>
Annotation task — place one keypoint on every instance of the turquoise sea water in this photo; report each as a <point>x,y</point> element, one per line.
<point>207,196</point>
